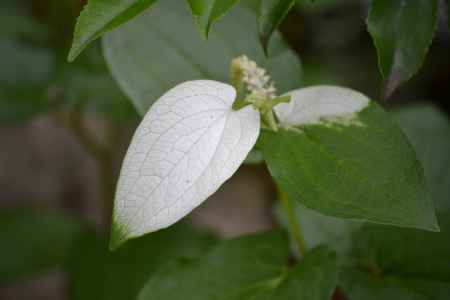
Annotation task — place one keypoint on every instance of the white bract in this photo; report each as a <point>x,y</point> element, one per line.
<point>312,105</point>
<point>191,141</point>
<point>187,145</point>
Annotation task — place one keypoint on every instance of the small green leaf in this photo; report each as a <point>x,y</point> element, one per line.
<point>206,12</point>
<point>99,274</point>
<point>271,13</point>
<point>251,267</point>
<point>162,48</point>
<point>355,166</point>
<point>100,16</point>
<point>35,241</point>
<point>401,41</point>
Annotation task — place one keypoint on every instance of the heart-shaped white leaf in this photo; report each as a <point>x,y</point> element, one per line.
<point>187,145</point>
<point>312,105</point>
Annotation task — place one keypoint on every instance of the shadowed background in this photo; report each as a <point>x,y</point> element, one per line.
<point>64,128</point>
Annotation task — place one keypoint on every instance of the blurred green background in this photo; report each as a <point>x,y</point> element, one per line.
<point>64,129</point>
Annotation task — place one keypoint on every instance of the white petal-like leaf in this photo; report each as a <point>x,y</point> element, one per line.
<point>315,104</point>
<point>187,145</point>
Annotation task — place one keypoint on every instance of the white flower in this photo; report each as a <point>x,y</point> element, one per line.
<point>255,78</point>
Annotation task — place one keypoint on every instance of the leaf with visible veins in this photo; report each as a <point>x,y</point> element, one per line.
<point>187,145</point>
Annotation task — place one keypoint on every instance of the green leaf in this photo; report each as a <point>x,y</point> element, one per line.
<point>358,166</point>
<point>401,41</point>
<point>406,252</point>
<point>35,241</point>
<point>399,263</point>
<point>100,16</point>
<point>162,48</point>
<point>388,262</point>
<point>97,273</point>
<point>206,12</point>
<point>252,267</point>
<point>271,13</point>
<point>361,286</point>
<point>428,130</point>
<point>396,263</point>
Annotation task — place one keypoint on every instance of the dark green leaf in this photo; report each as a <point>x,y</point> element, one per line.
<point>206,12</point>
<point>97,273</point>
<point>402,32</point>
<point>162,48</point>
<point>365,170</point>
<point>361,286</point>
<point>428,129</point>
<point>100,16</point>
<point>406,263</point>
<point>388,262</point>
<point>399,264</point>
<point>35,241</point>
<point>405,252</point>
<point>271,13</point>
<point>252,267</point>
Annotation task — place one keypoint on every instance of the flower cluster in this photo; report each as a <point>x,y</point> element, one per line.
<point>257,82</point>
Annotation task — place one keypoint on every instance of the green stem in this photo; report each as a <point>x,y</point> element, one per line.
<point>293,222</point>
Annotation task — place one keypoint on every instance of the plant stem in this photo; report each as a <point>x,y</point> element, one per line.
<point>293,222</point>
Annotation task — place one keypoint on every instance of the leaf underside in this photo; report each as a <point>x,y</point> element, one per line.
<point>187,145</point>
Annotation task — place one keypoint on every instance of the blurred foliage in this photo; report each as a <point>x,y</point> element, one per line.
<point>173,52</point>
<point>97,273</point>
<point>331,37</point>
<point>34,75</point>
<point>35,241</point>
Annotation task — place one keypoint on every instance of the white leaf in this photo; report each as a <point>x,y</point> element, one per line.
<point>187,145</point>
<point>312,105</point>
